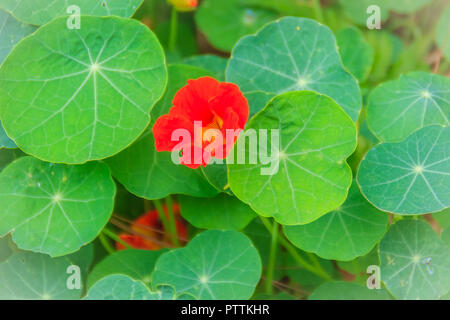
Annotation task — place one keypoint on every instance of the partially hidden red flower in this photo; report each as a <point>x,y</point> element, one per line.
<point>184,5</point>
<point>203,104</point>
<point>148,226</point>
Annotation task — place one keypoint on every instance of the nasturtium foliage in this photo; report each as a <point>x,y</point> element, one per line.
<point>445,236</point>
<point>81,94</point>
<point>11,32</point>
<point>442,32</point>
<point>221,212</point>
<point>213,18</point>
<point>409,177</point>
<point>399,107</point>
<point>5,141</point>
<point>54,208</point>
<point>358,267</point>
<point>308,176</point>
<point>348,232</point>
<point>29,275</point>
<point>357,54</point>
<point>214,265</point>
<point>443,218</point>
<point>415,263</point>
<point>214,64</point>
<point>136,264</point>
<point>39,12</point>
<point>288,55</point>
<point>6,249</point>
<point>151,174</point>
<point>341,290</point>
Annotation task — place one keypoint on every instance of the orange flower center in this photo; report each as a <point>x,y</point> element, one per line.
<point>216,123</point>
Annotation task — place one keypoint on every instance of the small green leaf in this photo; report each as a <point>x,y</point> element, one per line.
<point>310,176</point>
<point>54,208</point>
<point>293,54</point>
<point>343,234</point>
<point>415,263</point>
<point>214,265</point>
<point>11,32</point>
<point>222,212</point>
<point>443,32</point>
<point>39,12</point>
<point>356,11</point>
<point>340,290</point>
<point>35,276</point>
<point>410,177</point>
<point>81,94</point>
<point>357,54</point>
<point>153,175</point>
<point>398,108</point>
<point>137,264</point>
<point>214,64</point>
<point>225,22</point>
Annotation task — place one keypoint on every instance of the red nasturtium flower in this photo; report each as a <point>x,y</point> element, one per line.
<point>146,225</point>
<point>203,104</point>
<point>184,5</point>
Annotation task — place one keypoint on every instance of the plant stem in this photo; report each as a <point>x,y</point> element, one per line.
<point>172,225</point>
<point>272,257</point>
<point>165,221</point>
<point>319,271</point>
<point>173,29</point>
<point>115,237</point>
<point>106,243</point>
<point>318,10</point>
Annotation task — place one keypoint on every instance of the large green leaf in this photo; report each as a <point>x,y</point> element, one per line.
<point>36,276</point>
<point>410,177</point>
<point>225,22</point>
<point>54,208</point>
<point>214,64</point>
<point>357,54</point>
<point>288,55</point>
<point>11,32</point>
<point>137,264</point>
<point>443,32</point>
<point>415,263</point>
<point>343,234</point>
<point>222,212</point>
<point>81,94</point>
<point>39,12</point>
<point>151,174</point>
<point>316,137</point>
<point>356,11</point>
<point>340,290</point>
<point>213,265</point>
<point>398,108</point>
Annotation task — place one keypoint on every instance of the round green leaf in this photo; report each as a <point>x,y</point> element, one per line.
<point>410,177</point>
<point>137,264</point>
<point>398,108</point>
<point>343,234</point>
<point>151,174</point>
<point>214,265</point>
<point>340,290</point>
<point>222,212</point>
<point>288,55</point>
<point>357,54</point>
<point>407,6</point>
<point>11,32</point>
<point>35,276</point>
<point>54,208</point>
<point>81,94</point>
<point>356,11</point>
<point>120,287</point>
<point>443,31</point>
<point>316,137</point>
<point>415,263</point>
<point>214,64</point>
<point>39,12</point>
<point>225,22</point>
